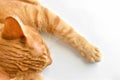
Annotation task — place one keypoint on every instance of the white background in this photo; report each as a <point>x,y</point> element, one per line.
<point>99,22</point>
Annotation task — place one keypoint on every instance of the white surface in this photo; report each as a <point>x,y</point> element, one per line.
<point>99,22</point>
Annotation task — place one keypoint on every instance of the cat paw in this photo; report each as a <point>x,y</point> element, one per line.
<point>92,54</point>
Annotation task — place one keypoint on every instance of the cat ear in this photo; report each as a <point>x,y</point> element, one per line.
<point>12,28</point>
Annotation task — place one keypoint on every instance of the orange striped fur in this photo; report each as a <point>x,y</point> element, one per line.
<point>23,52</point>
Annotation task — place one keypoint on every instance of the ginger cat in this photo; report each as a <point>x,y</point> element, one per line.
<point>23,53</point>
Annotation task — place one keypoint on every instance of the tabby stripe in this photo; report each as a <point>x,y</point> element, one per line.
<point>36,18</point>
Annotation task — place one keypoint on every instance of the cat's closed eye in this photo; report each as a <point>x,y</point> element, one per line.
<point>23,40</point>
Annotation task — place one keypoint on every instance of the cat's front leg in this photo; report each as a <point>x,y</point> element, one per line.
<point>58,27</point>
<point>38,77</point>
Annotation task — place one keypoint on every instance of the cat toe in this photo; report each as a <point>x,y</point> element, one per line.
<point>94,56</point>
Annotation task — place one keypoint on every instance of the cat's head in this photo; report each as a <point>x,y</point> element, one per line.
<point>21,47</point>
